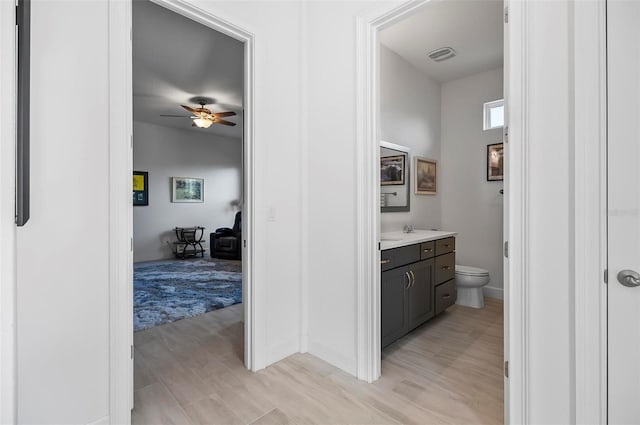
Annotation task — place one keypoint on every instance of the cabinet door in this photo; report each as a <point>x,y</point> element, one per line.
<point>420,293</point>
<point>393,310</point>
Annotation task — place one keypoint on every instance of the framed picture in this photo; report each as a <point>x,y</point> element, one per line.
<point>425,174</point>
<point>140,188</point>
<point>495,162</point>
<point>392,170</point>
<point>187,189</point>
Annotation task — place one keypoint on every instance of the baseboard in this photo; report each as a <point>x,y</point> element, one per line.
<point>282,350</point>
<point>492,292</point>
<point>332,357</point>
<point>101,421</point>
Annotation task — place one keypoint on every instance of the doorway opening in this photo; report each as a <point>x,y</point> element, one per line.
<point>434,80</point>
<point>200,178</point>
<point>188,101</point>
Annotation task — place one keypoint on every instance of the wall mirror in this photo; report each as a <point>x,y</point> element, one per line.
<point>394,177</point>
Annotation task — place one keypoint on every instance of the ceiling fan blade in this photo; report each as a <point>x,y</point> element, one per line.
<point>223,114</point>
<point>223,122</point>
<point>189,109</point>
<point>176,116</point>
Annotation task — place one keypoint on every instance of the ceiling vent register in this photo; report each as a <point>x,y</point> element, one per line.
<point>442,54</point>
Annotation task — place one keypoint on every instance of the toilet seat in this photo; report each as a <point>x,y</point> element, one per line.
<point>471,271</point>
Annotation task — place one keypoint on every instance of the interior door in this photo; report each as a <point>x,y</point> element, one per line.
<point>623,57</point>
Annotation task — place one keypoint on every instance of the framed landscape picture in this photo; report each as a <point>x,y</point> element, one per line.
<point>392,170</point>
<point>187,189</point>
<point>140,188</point>
<point>495,162</point>
<point>425,176</point>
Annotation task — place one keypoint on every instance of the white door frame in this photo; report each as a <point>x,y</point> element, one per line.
<point>121,210</point>
<point>8,367</point>
<point>589,204</point>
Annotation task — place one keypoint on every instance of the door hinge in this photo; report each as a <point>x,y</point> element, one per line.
<point>506,134</point>
<point>506,369</point>
<point>131,244</point>
<point>132,141</point>
<point>606,275</point>
<point>245,243</point>
<point>506,15</point>
<point>132,352</point>
<point>506,249</point>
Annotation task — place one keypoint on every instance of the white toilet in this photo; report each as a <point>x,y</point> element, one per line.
<point>469,282</point>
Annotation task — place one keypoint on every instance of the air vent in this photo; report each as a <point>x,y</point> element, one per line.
<point>442,54</point>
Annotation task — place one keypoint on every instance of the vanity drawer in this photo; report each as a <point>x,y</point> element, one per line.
<point>396,257</point>
<point>445,245</point>
<point>387,260</point>
<point>427,250</point>
<point>446,295</point>
<point>445,267</point>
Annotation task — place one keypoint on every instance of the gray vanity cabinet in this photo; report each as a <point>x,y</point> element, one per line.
<point>417,282</point>
<point>420,294</point>
<point>393,309</point>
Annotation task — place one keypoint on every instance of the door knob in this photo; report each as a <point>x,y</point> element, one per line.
<point>629,278</point>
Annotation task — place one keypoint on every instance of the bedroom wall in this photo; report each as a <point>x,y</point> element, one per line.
<point>410,116</point>
<point>169,152</point>
<point>471,205</point>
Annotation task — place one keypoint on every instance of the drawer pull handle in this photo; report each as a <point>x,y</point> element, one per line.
<point>385,261</point>
<point>428,250</point>
<point>446,296</point>
<point>445,245</point>
<point>413,278</point>
<point>408,280</point>
<point>446,267</point>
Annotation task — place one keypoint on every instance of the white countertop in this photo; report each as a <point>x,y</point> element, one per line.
<point>398,239</point>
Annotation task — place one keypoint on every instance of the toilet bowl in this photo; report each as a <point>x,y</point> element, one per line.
<point>469,283</point>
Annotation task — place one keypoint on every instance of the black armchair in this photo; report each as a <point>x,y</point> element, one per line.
<point>227,243</point>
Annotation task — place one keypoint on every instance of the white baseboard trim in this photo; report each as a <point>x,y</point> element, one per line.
<point>101,421</point>
<point>282,350</point>
<point>491,292</point>
<point>332,357</point>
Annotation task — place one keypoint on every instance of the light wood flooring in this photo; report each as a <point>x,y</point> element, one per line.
<point>449,371</point>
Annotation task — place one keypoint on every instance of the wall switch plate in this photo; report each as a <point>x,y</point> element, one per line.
<point>271,214</point>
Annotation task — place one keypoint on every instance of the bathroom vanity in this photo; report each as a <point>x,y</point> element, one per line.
<point>418,279</point>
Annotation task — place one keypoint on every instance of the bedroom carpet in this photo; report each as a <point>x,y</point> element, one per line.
<point>166,291</point>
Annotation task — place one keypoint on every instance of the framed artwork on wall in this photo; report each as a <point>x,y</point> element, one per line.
<point>187,189</point>
<point>140,188</point>
<point>392,170</point>
<point>425,173</point>
<point>495,162</point>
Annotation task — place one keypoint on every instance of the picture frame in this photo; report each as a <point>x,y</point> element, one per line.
<point>140,188</point>
<point>425,176</point>
<point>392,170</point>
<point>495,162</point>
<point>187,189</point>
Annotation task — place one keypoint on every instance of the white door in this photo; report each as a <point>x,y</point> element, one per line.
<point>623,51</point>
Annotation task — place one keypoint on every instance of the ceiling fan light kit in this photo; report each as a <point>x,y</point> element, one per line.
<point>203,117</point>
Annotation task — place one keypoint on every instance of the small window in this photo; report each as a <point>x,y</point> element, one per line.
<point>494,114</point>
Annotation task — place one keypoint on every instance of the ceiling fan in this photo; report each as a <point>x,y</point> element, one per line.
<point>203,117</point>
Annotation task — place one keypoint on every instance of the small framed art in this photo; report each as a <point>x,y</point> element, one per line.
<point>495,162</point>
<point>392,170</point>
<point>140,188</point>
<point>187,189</point>
<point>425,174</point>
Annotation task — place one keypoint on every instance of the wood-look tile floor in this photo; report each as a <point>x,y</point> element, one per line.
<point>448,371</point>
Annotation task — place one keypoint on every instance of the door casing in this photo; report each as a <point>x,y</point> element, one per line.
<point>587,175</point>
<point>121,210</point>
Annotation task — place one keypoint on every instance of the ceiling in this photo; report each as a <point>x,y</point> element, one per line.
<point>176,60</point>
<point>473,28</point>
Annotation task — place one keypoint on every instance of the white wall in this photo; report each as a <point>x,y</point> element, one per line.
<point>471,205</point>
<point>63,251</point>
<point>169,152</point>
<point>410,116</point>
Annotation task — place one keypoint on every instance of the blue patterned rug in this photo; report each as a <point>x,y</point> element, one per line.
<point>166,291</point>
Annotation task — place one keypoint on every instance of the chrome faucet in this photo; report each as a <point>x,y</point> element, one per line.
<point>408,228</point>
